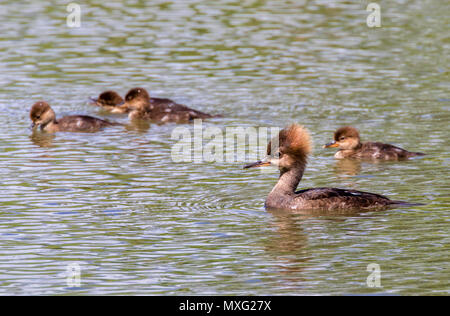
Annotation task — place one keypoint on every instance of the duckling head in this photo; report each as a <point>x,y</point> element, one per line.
<point>41,114</point>
<point>108,98</point>
<point>345,138</point>
<point>137,99</point>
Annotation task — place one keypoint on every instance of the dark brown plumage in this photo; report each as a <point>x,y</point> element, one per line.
<point>110,101</point>
<point>108,98</point>
<point>347,131</point>
<point>290,157</point>
<point>348,141</point>
<point>43,117</point>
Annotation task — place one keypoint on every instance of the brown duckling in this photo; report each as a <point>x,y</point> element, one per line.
<point>291,158</point>
<point>43,116</point>
<point>348,141</point>
<point>141,106</point>
<point>113,102</point>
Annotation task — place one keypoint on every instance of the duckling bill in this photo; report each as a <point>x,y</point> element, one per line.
<point>291,158</point>
<point>348,141</point>
<point>44,118</point>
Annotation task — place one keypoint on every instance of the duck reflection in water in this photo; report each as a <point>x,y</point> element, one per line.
<point>347,167</point>
<point>139,126</point>
<point>44,140</point>
<point>288,244</point>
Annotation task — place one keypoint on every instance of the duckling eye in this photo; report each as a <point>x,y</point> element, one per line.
<point>342,138</point>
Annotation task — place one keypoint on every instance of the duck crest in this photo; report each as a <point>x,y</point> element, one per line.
<point>295,140</point>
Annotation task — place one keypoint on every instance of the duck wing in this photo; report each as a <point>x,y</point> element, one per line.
<point>333,198</point>
<point>170,107</point>
<point>83,123</point>
<point>385,151</point>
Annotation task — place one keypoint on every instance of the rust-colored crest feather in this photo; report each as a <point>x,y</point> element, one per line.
<point>293,140</point>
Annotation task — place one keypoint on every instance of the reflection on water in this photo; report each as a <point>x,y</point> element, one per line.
<point>42,139</point>
<point>137,223</point>
<point>347,167</point>
<point>139,126</point>
<point>287,246</point>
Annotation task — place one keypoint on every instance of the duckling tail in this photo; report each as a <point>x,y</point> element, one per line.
<point>404,203</point>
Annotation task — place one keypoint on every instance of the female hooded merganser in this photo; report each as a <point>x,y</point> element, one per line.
<point>293,148</point>
<point>110,101</point>
<point>141,106</point>
<point>347,140</point>
<point>43,116</point>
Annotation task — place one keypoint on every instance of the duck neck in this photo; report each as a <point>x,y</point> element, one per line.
<point>348,152</point>
<point>288,181</point>
<point>143,106</point>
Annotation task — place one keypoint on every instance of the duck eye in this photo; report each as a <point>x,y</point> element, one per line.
<point>342,138</point>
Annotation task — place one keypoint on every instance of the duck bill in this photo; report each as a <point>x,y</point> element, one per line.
<point>260,163</point>
<point>331,145</point>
